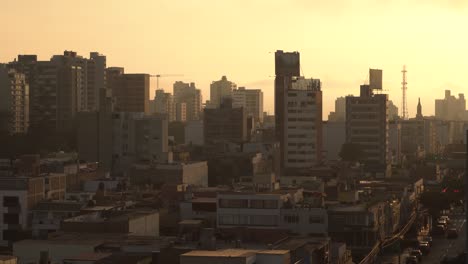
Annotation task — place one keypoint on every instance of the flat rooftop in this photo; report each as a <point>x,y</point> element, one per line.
<point>229,253</point>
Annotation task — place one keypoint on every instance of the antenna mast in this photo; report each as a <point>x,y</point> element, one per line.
<point>404,105</point>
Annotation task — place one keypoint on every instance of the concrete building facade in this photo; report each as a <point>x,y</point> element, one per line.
<point>225,123</point>
<point>163,103</point>
<point>131,91</point>
<point>187,96</point>
<point>14,101</point>
<point>219,90</point>
<point>251,100</point>
<point>450,108</point>
<point>367,126</point>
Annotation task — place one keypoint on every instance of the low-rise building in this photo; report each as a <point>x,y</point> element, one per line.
<point>277,210</point>
<point>137,223</point>
<point>17,196</point>
<point>47,216</point>
<point>193,173</point>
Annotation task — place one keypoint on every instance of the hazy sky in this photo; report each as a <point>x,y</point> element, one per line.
<point>339,40</point>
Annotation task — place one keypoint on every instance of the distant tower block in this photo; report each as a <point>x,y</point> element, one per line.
<point>404,105</point>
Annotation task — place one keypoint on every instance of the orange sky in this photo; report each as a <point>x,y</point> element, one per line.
<point>205,39</point>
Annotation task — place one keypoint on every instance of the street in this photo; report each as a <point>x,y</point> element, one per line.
<point>442,246</point>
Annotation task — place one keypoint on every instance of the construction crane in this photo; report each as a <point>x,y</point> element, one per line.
<point>163,75</point>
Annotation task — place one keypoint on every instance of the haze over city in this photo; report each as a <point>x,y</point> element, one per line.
<point>203,40</point>
<point>233,131</point>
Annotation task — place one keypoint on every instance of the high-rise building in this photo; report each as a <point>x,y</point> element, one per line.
<point>251,100</point>
<point>392,111</point>
<point>94,133</point>
<point>14,101</point>
<point>220,90</point>
<point>96,79</point>
<point>225,123</point>
<point>367,126</point>
<point>450,108</point>
<point>71,88</point>
<point>298,113</point>
<point>191,97</point>
<point>339,115</point>
<point>163,103</point>
<point>131,91</point>
<point>137,137</point>
<point>418,135</point>
<point>287,66</point>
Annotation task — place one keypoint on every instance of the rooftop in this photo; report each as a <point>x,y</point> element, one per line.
<point>5,257</point>
<point>60,206</point>
<point>89,256</point>
<point>230,253</point>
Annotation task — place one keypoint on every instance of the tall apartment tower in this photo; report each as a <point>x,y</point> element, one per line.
<point>188,97</point>
<point>14,101</point>
<point>339,114</point>
<point>450,108</point>
<point>71,88</point>
<point>96,79</point>
<point>131,91</point>
<point>220,90</point>
<point>298,116</point>
<point>251,100</point>
<point>163,103</point>
<point>367,126</point>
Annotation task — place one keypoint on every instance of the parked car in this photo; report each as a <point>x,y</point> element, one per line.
<point>417,253</point>
<point>444,217</point>
<point>442,222</point>
<point>426,239</point>
<point>452,233</point>
<point>424,247</point>
<point>412,260</point>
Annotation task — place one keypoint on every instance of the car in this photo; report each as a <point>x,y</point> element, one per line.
<point>417,253</point>
<point>424,247</point>
<point>427,239</point>
<point>452,233</point>
<point>412,260</point>
<point>442,222</point>
<point>445,219</point>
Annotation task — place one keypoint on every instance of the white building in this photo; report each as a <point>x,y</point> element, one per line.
<point>14,101</point>
<point>139,137</point>
<point>219,90</point>
<point>163,103</point>
<point>187,101</point>
<point>17,196</point>
<point>251,100</point>
<point>275,210</point>
<point>302,143</point>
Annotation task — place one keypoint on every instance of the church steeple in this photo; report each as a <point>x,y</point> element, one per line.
<point>419,114</point>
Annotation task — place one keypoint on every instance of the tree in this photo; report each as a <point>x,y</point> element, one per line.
<point>351,152</point>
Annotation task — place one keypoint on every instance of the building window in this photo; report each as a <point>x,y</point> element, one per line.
<point>233,203</point>
<point>11,219</point>
<point>264,204</point>
<point>315,219</point>
<point>10,201</point>
<point>291,219</point>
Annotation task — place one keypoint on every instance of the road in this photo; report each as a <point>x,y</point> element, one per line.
<point>441,246</point>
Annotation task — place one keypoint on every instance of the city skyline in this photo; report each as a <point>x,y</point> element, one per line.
<point>157,39</point>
